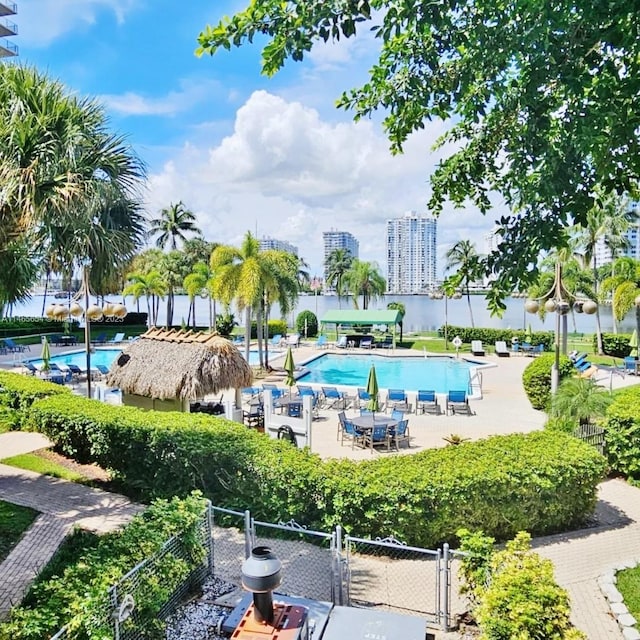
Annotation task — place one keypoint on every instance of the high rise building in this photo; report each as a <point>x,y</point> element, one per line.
<point>602,252</point>
<point>7,29</point>
<point>337,240</point>
<point>280,245</point>
<point>411,254</point>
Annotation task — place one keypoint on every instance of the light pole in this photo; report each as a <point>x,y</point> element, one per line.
<point>315,285</point>
<point>557,299</point>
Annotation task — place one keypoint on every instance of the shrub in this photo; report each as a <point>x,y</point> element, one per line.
<point>307,324</point>
<point>83,586</point>
<point>522,599</point>
<point>489,336</point>
<point>537,379</point>
<point>225,323</point>
<point>622,432</point>
<point>613,344</point>
<point>275,327</point>
<point>19,392</point>
<point>542,481</point>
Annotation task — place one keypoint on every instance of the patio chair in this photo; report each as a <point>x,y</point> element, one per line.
<point>276,393</point>
<point>387,343</point>
<point>476,348</point>
<point>427,402</point>
<point>361,397</point>
<point>397,415</point>
<point>401,434</point>
<point>321,342</point>
<point>397,399</point>
<point>366,412</point>
<point>342,343</point>
<point>366,343</point>
<point>31,368</point>
<point>378,436</point>
<point>251,395</point>
<point>457,402</point>
<point>276,340</point>
<point>537,350</point>
<point>334,399</point>
<point>293,340</point>
<point>501,349</point>
<point>630,365</point>
<point>117,339</point>
<point>101,338</point>
<point>76,371</point>
<point>102,368</point>
<point>14,347</point>
<point>349,430</point>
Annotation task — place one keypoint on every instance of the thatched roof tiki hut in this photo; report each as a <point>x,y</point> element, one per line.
<point>166,370</point>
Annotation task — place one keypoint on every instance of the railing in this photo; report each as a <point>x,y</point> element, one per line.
<point>12,7</point>
<point>10,27</point>
<point>8,46</point>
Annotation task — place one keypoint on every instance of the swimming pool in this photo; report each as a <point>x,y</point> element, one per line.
<point>411,374</point>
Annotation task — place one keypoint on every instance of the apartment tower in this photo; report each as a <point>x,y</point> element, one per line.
<point>337,240</point>
<point>411,254</point>
<point>7,29</point>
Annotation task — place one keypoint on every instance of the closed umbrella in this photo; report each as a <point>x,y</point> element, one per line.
<point>528,336</point>
<point>633,343</point>
<point>45,355</point>
<point>372,389</point>
<point>289,367</point>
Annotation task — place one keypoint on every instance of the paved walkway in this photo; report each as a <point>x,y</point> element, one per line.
<point>62,506</point>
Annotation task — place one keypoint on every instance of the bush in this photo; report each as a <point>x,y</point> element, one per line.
<point>489,336</point>
<point>613,345</point>
<point>622,432</point>
<point>13,327</point>
<point>83,586</point>
<point>522,599</point>
<point>307,324</point>
<point>543,482</point>
<point>537,379</point>
<point>19,392</point>
<point>276,327</point>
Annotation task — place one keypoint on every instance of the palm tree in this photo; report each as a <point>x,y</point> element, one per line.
<point>463,257</point>
<point>173,223</point>
<point>149,285</point>
<point>580,400</point>
<point>398,306</point>
<point>336,265</point>
<point>195,284</point>
<point>364,279</point>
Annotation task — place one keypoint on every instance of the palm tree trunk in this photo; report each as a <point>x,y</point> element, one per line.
<point>46,288</point>
<point>259,325</point>
<point>598,326</point>
<point>470,310</point>
<point>210,314</point>
<point>247,332</point>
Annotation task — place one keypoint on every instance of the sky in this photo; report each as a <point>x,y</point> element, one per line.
<point>243,152</point>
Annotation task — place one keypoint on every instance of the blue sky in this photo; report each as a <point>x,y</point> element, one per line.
<point>242,151</point>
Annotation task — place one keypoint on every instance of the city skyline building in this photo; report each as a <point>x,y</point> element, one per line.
<point>602,253</point>
<point>333,240</point>
<point>8,29</point>
<point>411,254</point>
<point>267,243</point>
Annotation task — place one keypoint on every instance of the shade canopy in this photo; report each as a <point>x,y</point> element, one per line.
<point>372,390</point>
<point>166,364</point>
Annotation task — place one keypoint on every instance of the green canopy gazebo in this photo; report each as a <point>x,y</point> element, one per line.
<point>354,318</point>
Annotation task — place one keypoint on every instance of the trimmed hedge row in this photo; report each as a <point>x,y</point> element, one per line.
<point>542,482</point>
<point>19,392</point>
<point>83,586</point>
<point>536,379</point>
<point>613,345</point>
<point>489,336</point>
<point>622,432</point>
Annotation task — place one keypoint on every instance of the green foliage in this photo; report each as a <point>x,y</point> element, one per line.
<point>11,327</point>
<point>14,521</point>
<point>543,481</point>
<point>275,327</point>
<point>522,599</point>
<point>34,462</point>
<point>563,424</point>
<point>628,583</point>
<point>622,432</point>
<point>474,565</point>
<point>225,323</point>
<point>614,345</point>
<point>489,336</point>
<point>307,324</point>
<point>537,379</point>
<point>66,598</point>
<point>580,399</point>
<point>19,392</point>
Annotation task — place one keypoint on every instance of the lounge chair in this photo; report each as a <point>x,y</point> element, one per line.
<point>31,368</point>
<point>501,349</point>
<point>342,342</point>
<point>387,343</point>
<point>457,402</point>
<point>427,402</point>
<point>321,342</point>
<point>101,338</point>
<point>397,399</point>
<point>476,348</point>
<point>117,339</point>
<point>14,347</point>
<point>76,371</point>
<point>276,340</point>
<point>366,343</point>
<point>536,351</point>
<point>333,398</point>
<point>293,340</point>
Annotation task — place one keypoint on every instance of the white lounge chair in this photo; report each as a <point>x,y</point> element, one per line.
<point>476,348</point>
<point>293,340</point>
<point>501,349</point>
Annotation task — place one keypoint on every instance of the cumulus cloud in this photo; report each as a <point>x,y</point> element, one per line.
<point>287,173</point>
<point>43,21</point>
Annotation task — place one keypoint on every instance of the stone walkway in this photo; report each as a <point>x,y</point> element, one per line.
<point>62,505</point>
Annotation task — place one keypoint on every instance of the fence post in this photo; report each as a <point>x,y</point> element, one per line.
<point>209,517</point>
<point>338,599</point>
<point>446,584</point>
<point>248,533</point>
<point>114,611</point>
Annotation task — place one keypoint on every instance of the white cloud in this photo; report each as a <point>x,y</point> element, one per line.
<point>43,21</point>
<point>287,173</point>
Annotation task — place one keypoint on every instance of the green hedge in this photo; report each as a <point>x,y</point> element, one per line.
<point>613,345</point>
<point>276,327</point>
<point>311,324</point>
<point>622,432</point>
<point>19,392</point>
<point>542,482</point>
<point>489,336</point>
<point>536,379</point>
<point>82,589</point>
<point>14,327</point>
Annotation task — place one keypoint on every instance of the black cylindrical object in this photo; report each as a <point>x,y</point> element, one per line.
<point>261,575</point>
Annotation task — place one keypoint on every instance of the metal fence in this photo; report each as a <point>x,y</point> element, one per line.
<point>591,434</point>
<point>344,570</point>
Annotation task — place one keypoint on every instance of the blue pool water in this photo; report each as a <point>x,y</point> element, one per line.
<point>98,356</point>
<point>411,374</point>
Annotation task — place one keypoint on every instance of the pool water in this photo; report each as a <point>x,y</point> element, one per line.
<point>441,374</point>
<point>98,357</point>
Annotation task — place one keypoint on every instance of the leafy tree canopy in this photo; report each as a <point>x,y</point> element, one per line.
<point>542,97</point>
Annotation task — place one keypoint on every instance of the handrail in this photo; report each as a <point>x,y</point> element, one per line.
<point>9,5</point>
<point>11,26</point>
<point>8,46</point>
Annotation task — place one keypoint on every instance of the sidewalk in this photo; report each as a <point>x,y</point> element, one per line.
<point>62,506</point>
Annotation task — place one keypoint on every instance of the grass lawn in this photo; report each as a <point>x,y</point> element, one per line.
<point>34,462</point>
<point>14,521</point>
<point>629,587</point>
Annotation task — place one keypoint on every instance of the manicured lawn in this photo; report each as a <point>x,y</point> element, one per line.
<point>629,587</point>
<point>14,521</point>
<point>33,462</point>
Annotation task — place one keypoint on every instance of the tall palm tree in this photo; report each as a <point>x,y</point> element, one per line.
<point>151,286</point>
<point>609,220</point>
<point>337,264</point>
<point>195,284</point>
<point>364,279</point>
<point>174,222</point>
<point>463,257</point>
<point>398,306</point>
